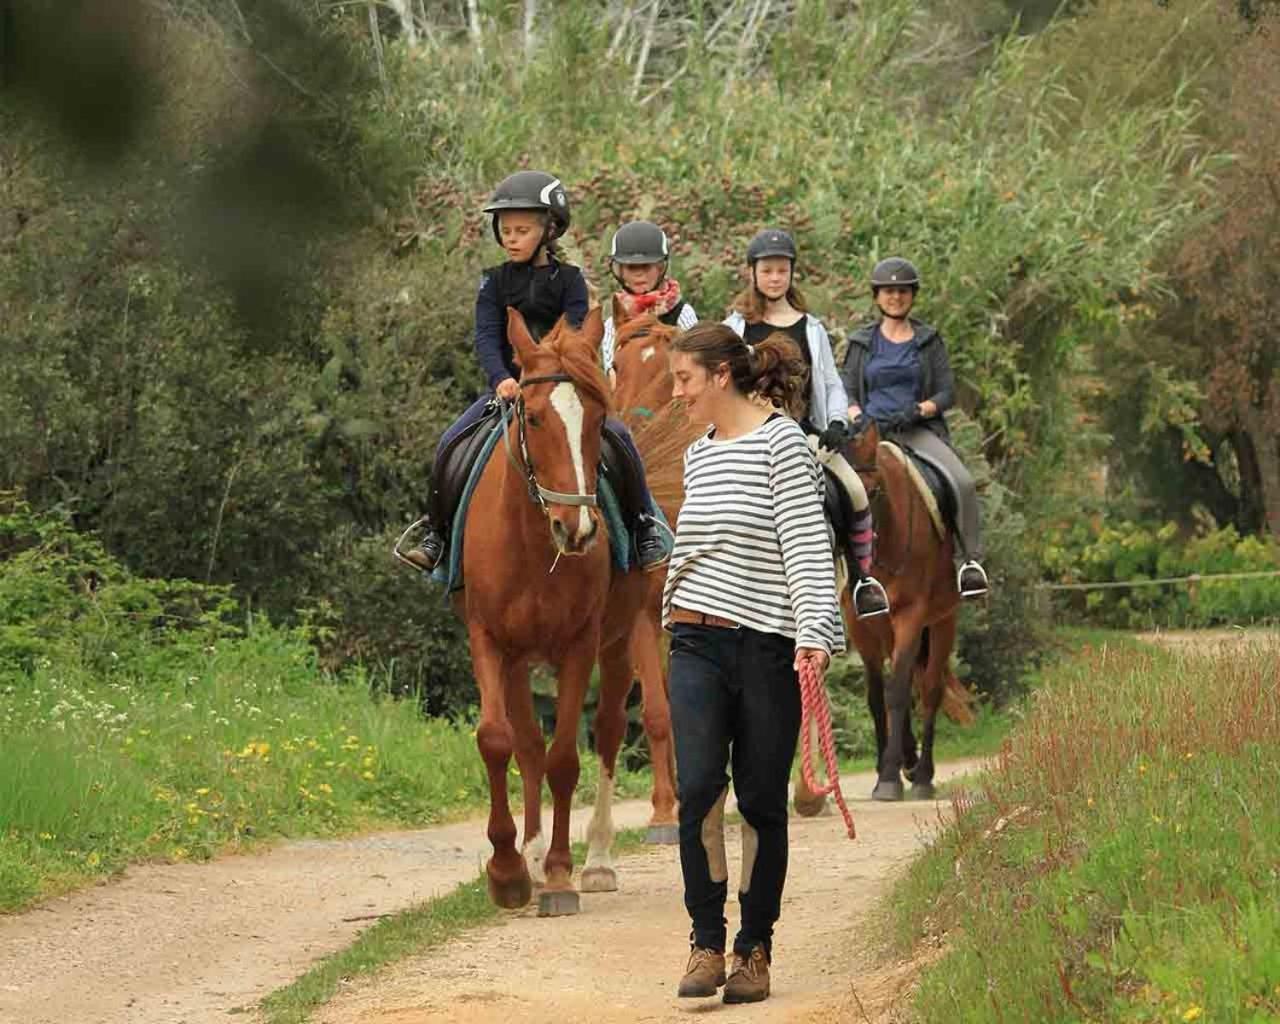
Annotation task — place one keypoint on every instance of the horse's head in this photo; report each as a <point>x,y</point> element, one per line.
<point>641,347</point>
<point>564,398</point>
<point>862,450</point>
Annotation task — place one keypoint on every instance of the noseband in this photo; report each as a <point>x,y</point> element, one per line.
<point>538,494</point>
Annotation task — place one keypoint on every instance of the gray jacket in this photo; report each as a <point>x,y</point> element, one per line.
<point>827,398</point>
<point>937,383</point>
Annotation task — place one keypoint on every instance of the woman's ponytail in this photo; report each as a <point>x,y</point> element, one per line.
<point>773,368</point>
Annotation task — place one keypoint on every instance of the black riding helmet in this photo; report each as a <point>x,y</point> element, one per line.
<point>894,270</point>
<point>532,190</point>
<point>639,242</point>
<point>771,242</point>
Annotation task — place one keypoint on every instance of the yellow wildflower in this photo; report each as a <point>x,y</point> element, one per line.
<point>1193,1013</point>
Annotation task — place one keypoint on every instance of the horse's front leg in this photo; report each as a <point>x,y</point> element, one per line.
<point>598,874</point>
<point>531,756</point>
<point>572,676</point>
<point>906,643</point>
<point>508,876</point>
<point>942,638</point>
<point>646,656</point>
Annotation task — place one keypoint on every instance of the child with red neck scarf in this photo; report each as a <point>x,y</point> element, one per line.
<point>639,259</point>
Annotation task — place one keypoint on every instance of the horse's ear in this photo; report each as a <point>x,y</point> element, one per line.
<point>519,336</point>
<point>593,327</point>
<point>619,312</point>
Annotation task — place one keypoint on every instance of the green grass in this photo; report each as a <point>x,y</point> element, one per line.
<point>403,935</point>
<point>1120,862</point>
<point>229,745</point>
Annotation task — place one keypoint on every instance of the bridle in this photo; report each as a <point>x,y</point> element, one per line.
<point>538,494</point>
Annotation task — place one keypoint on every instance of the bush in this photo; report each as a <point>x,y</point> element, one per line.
<point>1100,551</point>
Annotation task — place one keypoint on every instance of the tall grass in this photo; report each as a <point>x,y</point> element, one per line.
<point>1121,861</point>
<point>247,740</point>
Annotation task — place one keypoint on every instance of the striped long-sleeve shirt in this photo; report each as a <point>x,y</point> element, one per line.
<point>752,543</point>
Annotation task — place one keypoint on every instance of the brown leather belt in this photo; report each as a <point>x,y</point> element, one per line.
<point>702,619</point>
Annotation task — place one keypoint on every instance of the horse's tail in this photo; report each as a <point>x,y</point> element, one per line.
<point>957,701</point>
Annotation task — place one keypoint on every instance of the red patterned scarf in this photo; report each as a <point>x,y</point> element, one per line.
<point>661,300</point>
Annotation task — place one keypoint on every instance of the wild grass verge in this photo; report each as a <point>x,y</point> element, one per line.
<point>210,750</point>
<point>1122,860</point>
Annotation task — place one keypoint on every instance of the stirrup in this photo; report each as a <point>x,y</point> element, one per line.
<point>657,526</point>
<point>870,583</point>
<point>973,591</point>
<point>419,557</point>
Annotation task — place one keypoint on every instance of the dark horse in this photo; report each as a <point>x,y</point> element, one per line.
<point>914,560</point>
<point>541,587</point>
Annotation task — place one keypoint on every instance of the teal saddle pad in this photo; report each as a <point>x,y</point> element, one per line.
<point>449,572</point>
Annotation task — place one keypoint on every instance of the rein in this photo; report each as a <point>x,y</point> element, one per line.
<point>538,494</point>
<point>814,704</point>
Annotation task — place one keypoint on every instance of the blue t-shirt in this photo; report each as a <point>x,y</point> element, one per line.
<point>892,372</point>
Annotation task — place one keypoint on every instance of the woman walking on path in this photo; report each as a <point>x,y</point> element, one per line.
<point>750,596</point>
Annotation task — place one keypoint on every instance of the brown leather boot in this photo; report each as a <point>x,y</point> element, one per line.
<point>704,973</point>
<point>749,980</point>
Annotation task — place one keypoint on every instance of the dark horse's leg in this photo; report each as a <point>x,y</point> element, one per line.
<point>906,641</point>
<point>509,882</point>
<point>875,704</point>
<point>934,678</point>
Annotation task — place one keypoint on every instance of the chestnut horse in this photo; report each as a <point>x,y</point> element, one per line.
<point>642,398</point>
<point>916,566</point>
<point>541,587</point>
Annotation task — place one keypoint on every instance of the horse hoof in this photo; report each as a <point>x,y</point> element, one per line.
<point>511,894</point>
<point>599,880</point>
<point>558,903</point>
<point>662,835</point>
<point>887,791</point>
<point>813,808</point>
<point>922,791</point>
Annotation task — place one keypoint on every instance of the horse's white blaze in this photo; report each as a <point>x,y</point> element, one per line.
<point>600,830</point>
<point>565,401</point>
<point>647,353</point>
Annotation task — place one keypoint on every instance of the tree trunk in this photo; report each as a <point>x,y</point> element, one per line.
<point>1263,478</point>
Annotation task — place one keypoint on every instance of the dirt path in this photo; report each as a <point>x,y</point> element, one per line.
<point>620,959</point>
<point>1201,642</point>
<point>191,943</point>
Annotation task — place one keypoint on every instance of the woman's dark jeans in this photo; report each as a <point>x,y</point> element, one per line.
<point>734,699</point>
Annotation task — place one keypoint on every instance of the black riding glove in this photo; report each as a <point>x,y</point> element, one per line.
<point>903,419</point>
<point>833,439</point>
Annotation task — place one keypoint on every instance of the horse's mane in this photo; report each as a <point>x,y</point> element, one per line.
<point>579,360</point>
<point>646,326</point>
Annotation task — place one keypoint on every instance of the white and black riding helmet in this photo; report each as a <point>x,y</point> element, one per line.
<point>532,190</point>
<point>639,242</point>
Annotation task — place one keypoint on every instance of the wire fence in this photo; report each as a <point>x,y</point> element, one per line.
<point>1194,578</point>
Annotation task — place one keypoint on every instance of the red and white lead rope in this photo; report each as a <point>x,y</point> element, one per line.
<point>813,703</point>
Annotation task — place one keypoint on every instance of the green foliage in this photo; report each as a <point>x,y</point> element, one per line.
<point>258,408</point>
<point>1118,865</point>
<point>1098,550</point>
